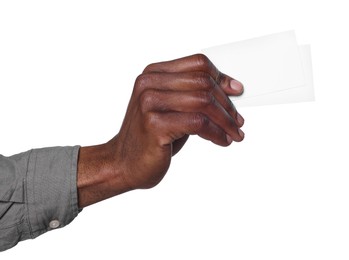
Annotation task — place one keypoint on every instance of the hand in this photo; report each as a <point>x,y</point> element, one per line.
<point>170,101</point>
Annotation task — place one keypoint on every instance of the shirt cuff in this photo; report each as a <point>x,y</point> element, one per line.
<point>51,188</point>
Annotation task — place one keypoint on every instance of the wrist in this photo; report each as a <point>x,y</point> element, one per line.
<point>100,175</point>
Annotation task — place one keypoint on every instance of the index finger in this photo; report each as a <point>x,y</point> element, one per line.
<point>199,62</point>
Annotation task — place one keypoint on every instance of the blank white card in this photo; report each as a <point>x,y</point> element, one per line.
<point>274,69</point>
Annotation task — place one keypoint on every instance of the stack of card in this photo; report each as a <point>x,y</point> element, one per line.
<point>274,69</point>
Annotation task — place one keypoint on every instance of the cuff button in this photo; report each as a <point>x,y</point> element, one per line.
<point>54,224</point>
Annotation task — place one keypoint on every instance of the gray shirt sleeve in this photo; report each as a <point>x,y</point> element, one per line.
<point>38,193</point>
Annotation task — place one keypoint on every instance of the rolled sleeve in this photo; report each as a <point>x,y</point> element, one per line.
<point>38,193</point>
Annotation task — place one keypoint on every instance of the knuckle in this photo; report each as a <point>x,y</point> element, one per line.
<point>149,68</point>
<point>206,99</point>
<point>203,62</point>
<point>141,82</point>
<point>150,120</point>
<point>204,80</point>
<point>199,122</point>
<point>146,100</point>
<point>144,81</point>
<point>219,78</point>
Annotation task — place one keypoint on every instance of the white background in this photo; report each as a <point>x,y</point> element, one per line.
<point>67,69</point>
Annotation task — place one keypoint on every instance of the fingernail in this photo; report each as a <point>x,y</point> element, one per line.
<point>242,134</point>
<point>229,139</point>
<point>236,86</point>
<point>240,119</point>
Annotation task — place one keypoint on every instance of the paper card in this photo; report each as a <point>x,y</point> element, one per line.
<point>265,65</point>
<point>304,93</point>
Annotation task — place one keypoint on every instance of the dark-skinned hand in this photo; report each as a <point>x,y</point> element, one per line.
<point>170,101</point>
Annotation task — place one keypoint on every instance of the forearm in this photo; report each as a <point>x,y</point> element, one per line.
<point>99,176</point>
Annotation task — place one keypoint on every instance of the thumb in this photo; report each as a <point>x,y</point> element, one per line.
<point>231,87</point>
